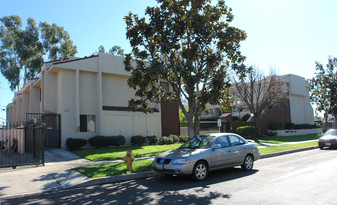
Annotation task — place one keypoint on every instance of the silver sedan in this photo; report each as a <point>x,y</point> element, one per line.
<point>205,153</point>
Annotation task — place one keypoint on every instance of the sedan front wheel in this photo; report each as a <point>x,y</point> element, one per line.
<point>248,163</point>
<point>200,171</point>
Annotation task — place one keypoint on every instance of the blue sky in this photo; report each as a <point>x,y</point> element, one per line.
<point>286,35</point>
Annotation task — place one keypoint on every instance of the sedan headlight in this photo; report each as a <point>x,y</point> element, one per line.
<point>181,161</point>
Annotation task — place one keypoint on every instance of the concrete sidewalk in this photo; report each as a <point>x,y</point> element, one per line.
<point>58,174</point>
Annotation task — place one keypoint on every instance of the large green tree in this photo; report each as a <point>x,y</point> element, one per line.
<point>324,88</point>
<point>23,50</point>
<point>188,45</point>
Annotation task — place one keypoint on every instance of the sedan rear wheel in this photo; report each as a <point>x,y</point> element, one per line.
<point>200,171</point>
<point>248,163</point>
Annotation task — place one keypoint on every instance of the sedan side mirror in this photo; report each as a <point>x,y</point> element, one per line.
<point>216,146</point>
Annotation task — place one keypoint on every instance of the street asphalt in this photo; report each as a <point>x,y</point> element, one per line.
<point>58,173</point>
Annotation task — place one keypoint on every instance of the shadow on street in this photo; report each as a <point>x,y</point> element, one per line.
<point>159,190</point>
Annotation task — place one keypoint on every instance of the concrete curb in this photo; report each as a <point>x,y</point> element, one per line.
<point>287,152</point>
<point>148,174</point>
<point>117,178</point>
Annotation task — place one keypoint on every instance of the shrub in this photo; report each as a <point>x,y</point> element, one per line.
<point>117,140</point>
<point>152,139</point>
<point>75,143</point>
<point>270,133</point>
<point>247,131</point>
<point>275,125</point>
<point>245,117</point>
<point>316,126</point>
<point>303,126</point>
<point>183,138</point>
<point>166,140</point>
<point>289,126</point>
<point>120,140</point>
<point>137,140</point>
<point>235,118</point>
<point>175,138</point>
<point>100,141</point>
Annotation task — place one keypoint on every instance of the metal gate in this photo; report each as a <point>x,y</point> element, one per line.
<point>22,145</point>
<point>53,127</point>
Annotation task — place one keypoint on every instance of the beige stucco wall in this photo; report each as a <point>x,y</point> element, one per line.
<point>25,104</point>
<point>112,64</point>
<point>129,124</point>
<point>50,92</point>
<point>34,99</point>
<point>19,110</point>
<point>115,90</point>
<point>301,111</point>
<point>66,100</point>
<point>88,93</point>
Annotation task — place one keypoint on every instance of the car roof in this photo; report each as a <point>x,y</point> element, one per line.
<point>221,134</point>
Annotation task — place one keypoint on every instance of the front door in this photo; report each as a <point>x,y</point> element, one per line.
<point>53,130</point>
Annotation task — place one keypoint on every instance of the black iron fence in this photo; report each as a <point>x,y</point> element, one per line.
<point>22,144</point>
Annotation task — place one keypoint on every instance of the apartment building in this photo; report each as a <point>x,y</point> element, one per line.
<point>89,96</point>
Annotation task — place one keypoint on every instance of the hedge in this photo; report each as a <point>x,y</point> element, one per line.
<point>166,140</point>
<point>247,131</point>
<point>138,140</point>
<point>152,139</point>
<point>100,141</point>
<point>117,140</point>
<point>75,143</point>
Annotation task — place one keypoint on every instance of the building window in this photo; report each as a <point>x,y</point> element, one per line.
<point>87,123</point>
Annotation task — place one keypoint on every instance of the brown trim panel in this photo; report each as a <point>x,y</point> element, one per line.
<point>120,108</point>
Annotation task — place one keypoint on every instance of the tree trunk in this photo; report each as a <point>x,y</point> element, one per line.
<point>190,125</point>
<point>197,124</point>
<point>257,124</point>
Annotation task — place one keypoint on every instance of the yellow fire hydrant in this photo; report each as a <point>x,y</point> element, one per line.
<point>129,159</point>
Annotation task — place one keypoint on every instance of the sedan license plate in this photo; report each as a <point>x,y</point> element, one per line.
<point>328,144</point>
<point>159,167</point>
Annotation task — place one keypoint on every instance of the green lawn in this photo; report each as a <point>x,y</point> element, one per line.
<point>283,139</point>
<point>115,169</point>
<point>146,165</point>
<point>267,150</point>
<point>119,152</point>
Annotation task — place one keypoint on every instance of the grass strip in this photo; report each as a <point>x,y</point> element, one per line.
<point>146,165</point>
<point>272,149</point>
<point>119,152</point>
<point>115,169</point>
<point>284,139</point>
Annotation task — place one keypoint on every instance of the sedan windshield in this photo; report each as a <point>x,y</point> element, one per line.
<point>199,142</point>
<point>331,132</point>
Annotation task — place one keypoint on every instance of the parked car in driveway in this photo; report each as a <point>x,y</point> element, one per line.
<point>329,139</point>
<point>205,153</point>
